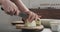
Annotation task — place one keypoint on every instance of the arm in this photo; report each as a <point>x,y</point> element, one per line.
<point>23,8</point>
<point>20,5</point>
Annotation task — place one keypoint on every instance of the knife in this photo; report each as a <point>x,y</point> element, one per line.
<point>23,15</point>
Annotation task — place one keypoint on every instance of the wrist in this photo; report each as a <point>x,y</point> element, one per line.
<point>28,12</point>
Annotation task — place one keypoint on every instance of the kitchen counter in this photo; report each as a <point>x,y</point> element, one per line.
<point>47,30</point>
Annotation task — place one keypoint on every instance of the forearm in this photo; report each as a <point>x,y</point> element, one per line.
<point>20,5</point>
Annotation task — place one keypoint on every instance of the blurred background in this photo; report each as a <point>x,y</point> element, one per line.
<point>48,9</point>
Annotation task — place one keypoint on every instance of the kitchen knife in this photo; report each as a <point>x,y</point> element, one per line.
<point>23,15</point>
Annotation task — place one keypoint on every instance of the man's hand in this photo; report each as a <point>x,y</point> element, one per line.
<point>10,8</point>
<point>32,16</point>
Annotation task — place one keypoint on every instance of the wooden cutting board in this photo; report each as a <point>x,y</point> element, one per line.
<point>21,26</point>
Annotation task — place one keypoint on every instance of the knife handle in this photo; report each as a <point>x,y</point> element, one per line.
<point>23,15</point>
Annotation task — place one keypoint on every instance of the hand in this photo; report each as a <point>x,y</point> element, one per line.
<point>32,16</point>
<point>10,8</point>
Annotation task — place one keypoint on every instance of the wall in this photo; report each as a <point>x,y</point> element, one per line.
<point>37,3</point>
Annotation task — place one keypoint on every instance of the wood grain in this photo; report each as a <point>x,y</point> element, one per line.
<point>49,13</point>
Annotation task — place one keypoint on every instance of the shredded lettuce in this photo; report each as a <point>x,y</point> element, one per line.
<point>33,23</point>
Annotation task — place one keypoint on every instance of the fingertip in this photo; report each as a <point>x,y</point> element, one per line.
<point>17,12</point>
